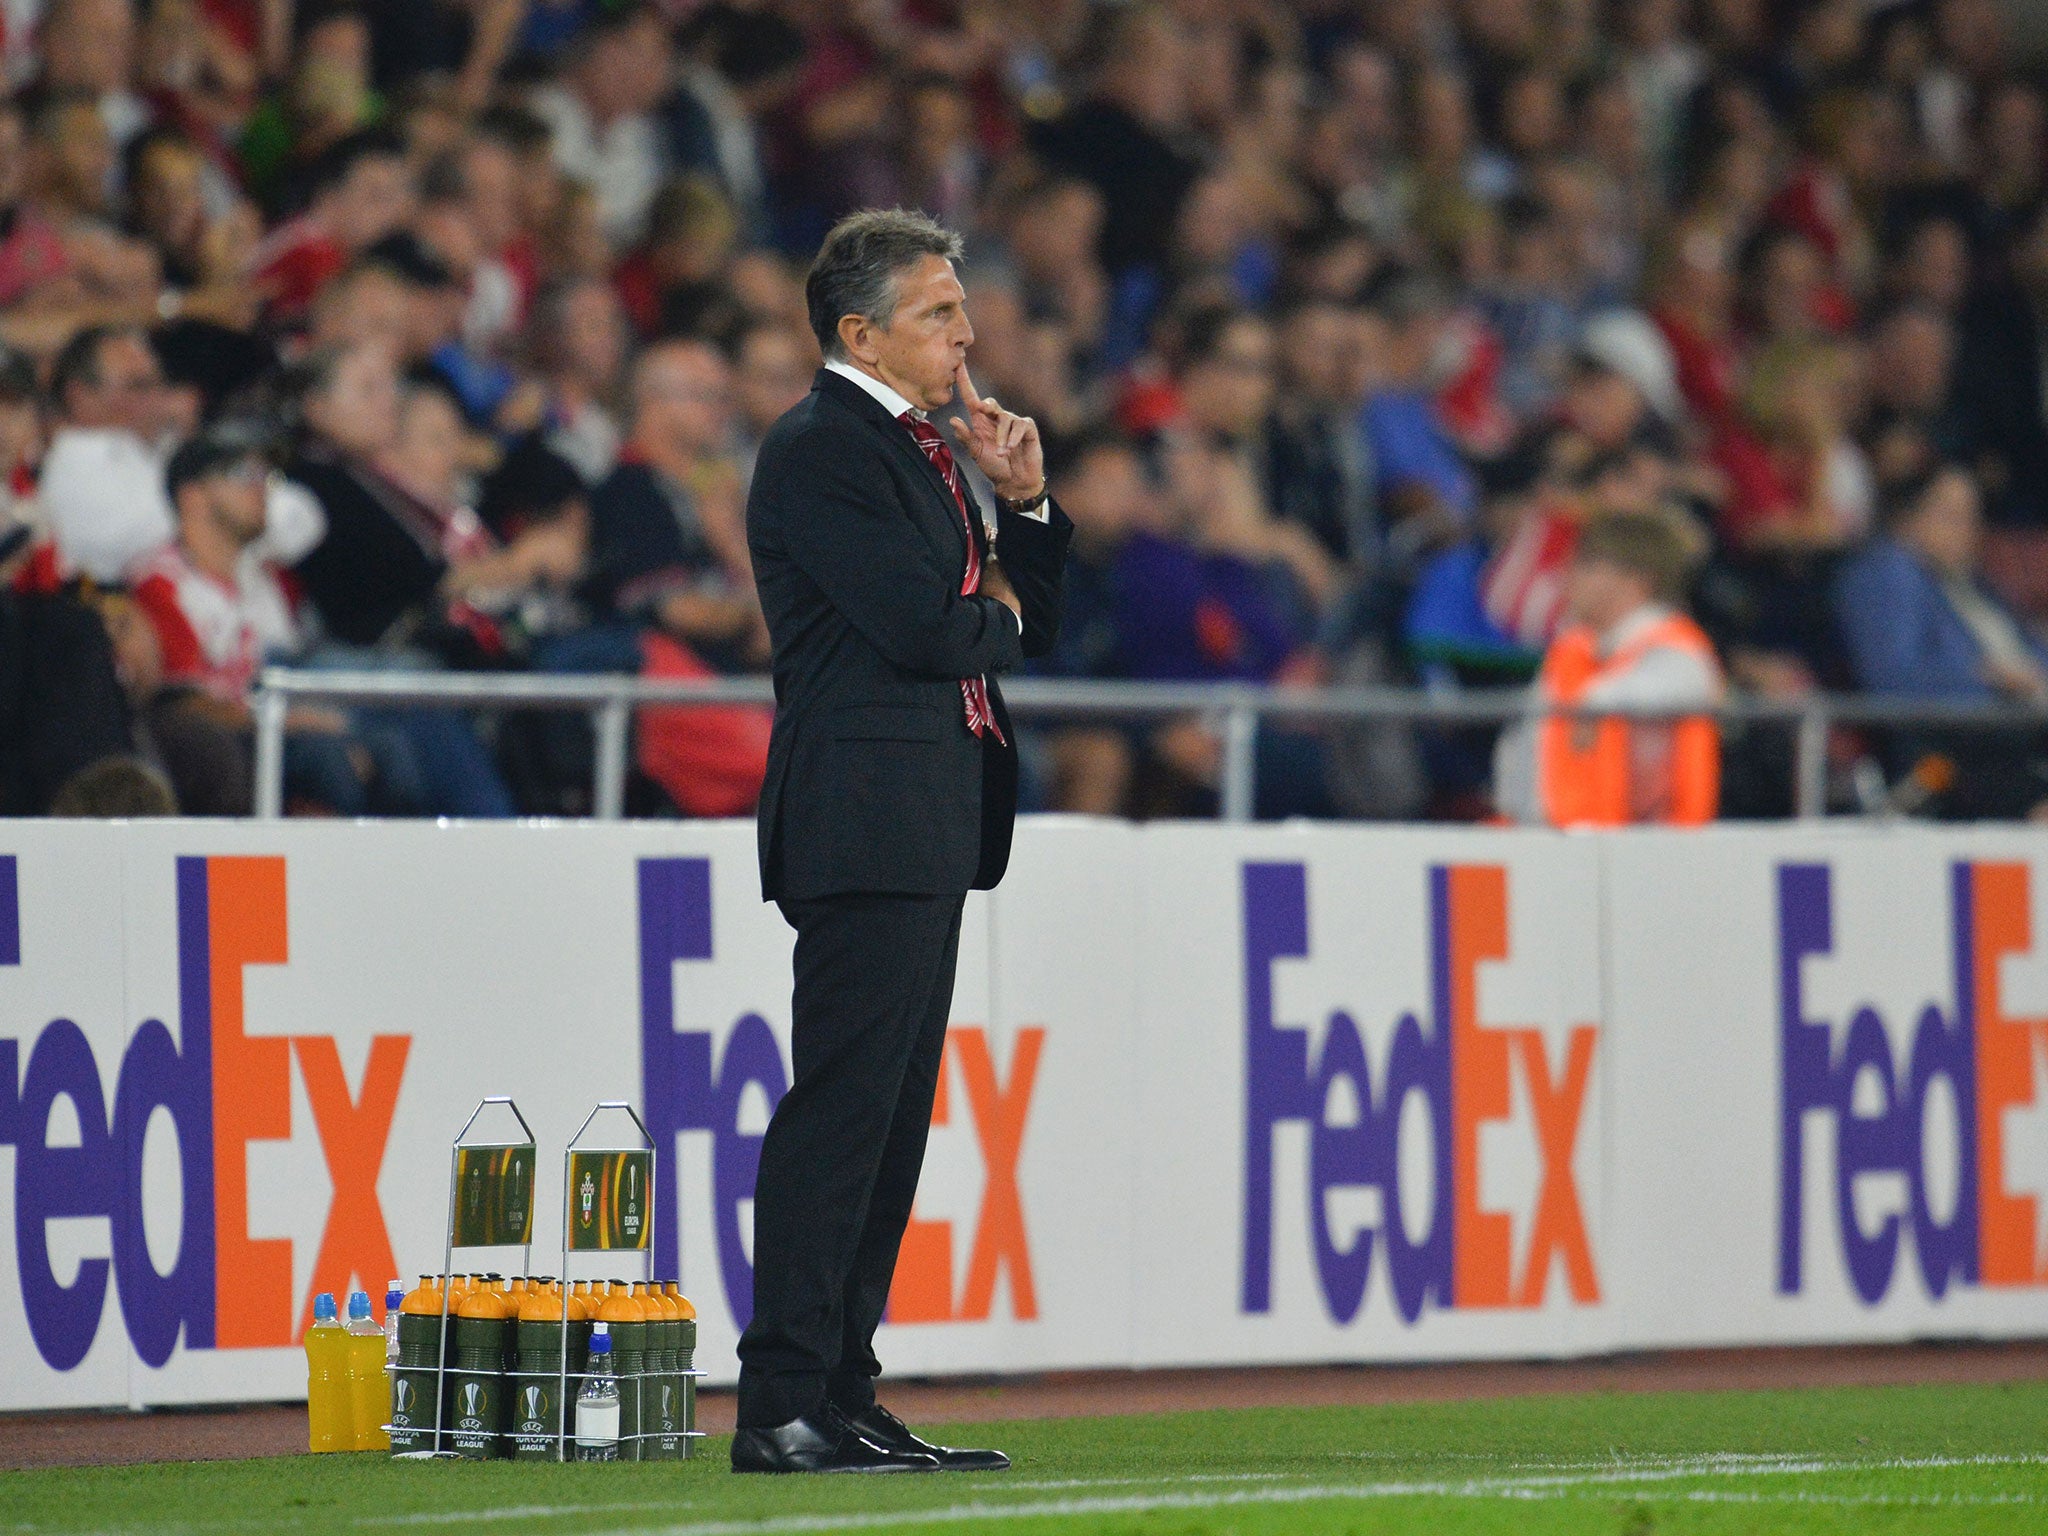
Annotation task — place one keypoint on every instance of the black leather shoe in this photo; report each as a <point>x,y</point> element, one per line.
<point>882,1427</point>
<point>822,1442</point>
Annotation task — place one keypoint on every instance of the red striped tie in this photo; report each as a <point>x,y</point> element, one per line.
<point>973,690</point>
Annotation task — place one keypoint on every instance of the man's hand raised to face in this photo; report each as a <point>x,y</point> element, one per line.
<point>1005,445</point>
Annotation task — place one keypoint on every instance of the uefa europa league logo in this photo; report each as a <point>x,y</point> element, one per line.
<point>472,1401</point>
<point>401,1399</point>
<point>532,1411</point>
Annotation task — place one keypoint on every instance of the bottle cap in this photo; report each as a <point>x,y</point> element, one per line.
<point>600,1340</point>
<point>323,1307</point>
<point>394,1296</point>
<point>358,1305</point>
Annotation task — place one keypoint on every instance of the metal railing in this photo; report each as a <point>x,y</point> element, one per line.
<point>610,699</point>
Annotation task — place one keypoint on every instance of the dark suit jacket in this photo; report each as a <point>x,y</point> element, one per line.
<point>874,781</point>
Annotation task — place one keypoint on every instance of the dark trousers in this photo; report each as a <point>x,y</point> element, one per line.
<point>839,1165</point>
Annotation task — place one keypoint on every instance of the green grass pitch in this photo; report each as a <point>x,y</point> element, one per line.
<point>1937,1459</point>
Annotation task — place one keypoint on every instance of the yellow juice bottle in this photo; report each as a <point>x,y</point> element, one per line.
<point>328,1420</point>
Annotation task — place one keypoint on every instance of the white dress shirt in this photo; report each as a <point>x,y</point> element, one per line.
<point>896,405</point>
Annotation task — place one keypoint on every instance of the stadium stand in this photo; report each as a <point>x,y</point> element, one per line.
<point>1343,320</point>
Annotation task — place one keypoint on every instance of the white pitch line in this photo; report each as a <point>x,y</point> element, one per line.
<point>1553,1487</point>
<point>1540,1480</point>
<point>519,1512</point>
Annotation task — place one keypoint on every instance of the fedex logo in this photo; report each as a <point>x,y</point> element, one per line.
<point>222,1089</point>
<point>1984,1055</point>
<point>1462,1068</point>
<point>690,1084</point>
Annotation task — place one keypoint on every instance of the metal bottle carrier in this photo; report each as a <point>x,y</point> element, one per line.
<point>629,1226</point>
<point>577,1221</point>
<point>462,1144</point>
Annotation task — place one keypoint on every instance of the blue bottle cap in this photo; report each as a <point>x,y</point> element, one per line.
<point>323,1307</point>
<point>600,1340</point>
<point>394,1296</point>
<point>358,1305</point>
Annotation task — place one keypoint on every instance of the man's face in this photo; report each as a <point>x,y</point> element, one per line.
<point>1316,339</point>
<point>357,410</point>
<point>1947,527</point>
<point>490,173</point>
<point>593,334</point>
<point>368,306</point>
<point>78,155</point>
<point>684,397</point>
<point>1229,392</point>
<point>128,391</point>
<point>926,340</point>
<point>774,374</point>
<point>1600,594</point>
<point>90,44</point>
<point>627,72</point>
<point>1106,495</point>
<point>372,200</point>
<point>233,499</point>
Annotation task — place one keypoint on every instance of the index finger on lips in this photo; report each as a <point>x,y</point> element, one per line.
<point>968,397</point>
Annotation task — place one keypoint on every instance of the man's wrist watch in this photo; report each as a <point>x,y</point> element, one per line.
<point>1030,503</point>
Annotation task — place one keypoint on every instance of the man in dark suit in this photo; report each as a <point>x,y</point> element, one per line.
<point>891,792</point>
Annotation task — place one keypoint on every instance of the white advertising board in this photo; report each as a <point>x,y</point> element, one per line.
<point>1372,1066</point>
<point>1833,1057</point>
<point>1211,1094</point>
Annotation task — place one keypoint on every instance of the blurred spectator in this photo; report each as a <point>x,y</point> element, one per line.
<point>1124,140</point>
<point>1796,478</point>
<point>668,541</point>
<point>1318,471</point>
<point>1101,484</point>
<point>580,335</point>
<point>61,705</point>
<point>772,368</point>
<point>327,98</point>
<point>675,281</point>
<point>1425,488</point>
<point>216,615</point>
<point>361,190</point>
<point>601,113</point>
<point>1628,645</point>
<point>88,46</point>
<point>1913,420</point>
<point>669,553</point>
<point>102,483</point>
<point>2003,349</point>
<point>1920,622</point>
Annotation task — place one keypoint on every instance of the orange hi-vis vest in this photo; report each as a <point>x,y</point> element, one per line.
<point>1585,768</point>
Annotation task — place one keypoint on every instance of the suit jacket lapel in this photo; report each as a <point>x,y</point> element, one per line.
<point>901,442</point>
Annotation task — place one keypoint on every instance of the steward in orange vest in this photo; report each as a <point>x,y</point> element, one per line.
<point>1625,643</point>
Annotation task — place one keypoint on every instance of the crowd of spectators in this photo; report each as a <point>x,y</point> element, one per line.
<point>440,334</point>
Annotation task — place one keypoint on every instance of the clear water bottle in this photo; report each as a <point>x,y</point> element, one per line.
<point>394,1301</point>
<point>369,1389</point>
<point>597,1405</point>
